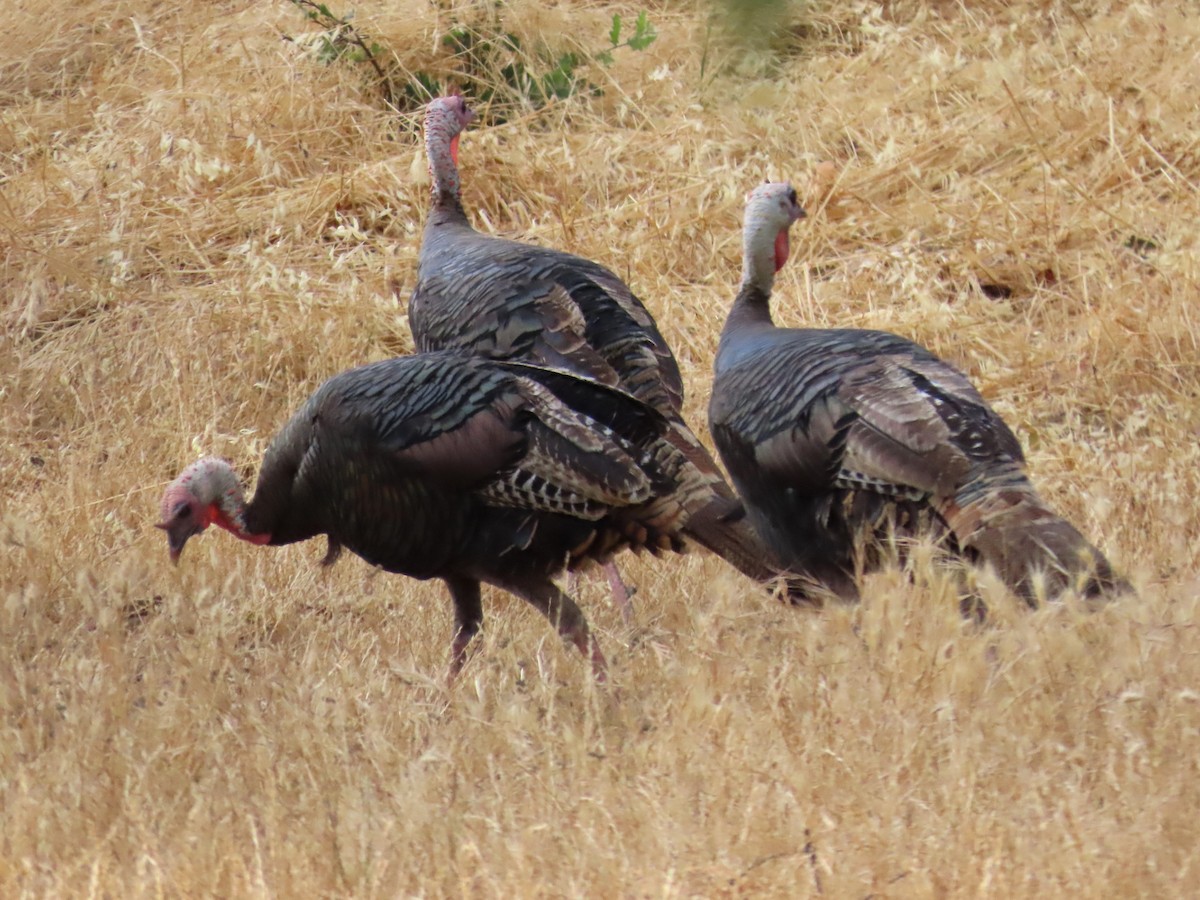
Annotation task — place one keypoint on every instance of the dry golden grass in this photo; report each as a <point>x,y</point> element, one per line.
<point>198,225</point>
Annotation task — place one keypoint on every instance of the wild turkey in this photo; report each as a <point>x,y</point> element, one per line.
<point>469,470</point>
<point>507,300</point>
<point>832,437</point>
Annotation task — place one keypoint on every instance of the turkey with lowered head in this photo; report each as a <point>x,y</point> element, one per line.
<point>469,470</point>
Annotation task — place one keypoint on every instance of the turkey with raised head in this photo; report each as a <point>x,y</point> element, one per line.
<point>507,300</point>
<point>504,299</point>
<point>469,470</point>
<point>833,437</point>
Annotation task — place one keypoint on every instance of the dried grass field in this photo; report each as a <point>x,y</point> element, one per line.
<point>198,224</point>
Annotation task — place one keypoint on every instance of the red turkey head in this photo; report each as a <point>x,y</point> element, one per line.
<point>183,515</point>
<point>771,208</point>
<point>205,493</point>
<point>445,119</point>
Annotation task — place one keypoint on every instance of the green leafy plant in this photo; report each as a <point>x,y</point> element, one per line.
<point>504,74</point>
<point>491,62</point>
<point>643,36</point>
<point>343,41</point>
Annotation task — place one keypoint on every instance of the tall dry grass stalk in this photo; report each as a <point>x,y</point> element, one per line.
<point>198,225</point>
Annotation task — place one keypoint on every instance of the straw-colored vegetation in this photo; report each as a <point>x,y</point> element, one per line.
<point>198,223</point>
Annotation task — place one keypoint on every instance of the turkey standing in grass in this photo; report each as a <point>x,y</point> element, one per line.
<point>468,470</point>
<point>833,437</point>
<point>507,300</point>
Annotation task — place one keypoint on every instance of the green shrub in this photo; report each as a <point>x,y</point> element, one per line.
<point>486,60</point>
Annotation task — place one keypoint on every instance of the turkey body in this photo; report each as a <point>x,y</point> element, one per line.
<point>447,466</point>
<point>440,463</point>
<point>507,300</point>
<point>836,438</point>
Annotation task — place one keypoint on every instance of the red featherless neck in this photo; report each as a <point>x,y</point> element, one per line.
<point>441,148</point>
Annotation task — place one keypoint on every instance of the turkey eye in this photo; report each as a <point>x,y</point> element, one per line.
<point>792,195</point>
<point>183,512</point>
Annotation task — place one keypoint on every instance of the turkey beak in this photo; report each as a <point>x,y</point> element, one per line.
<point>799,214</point>
<point>176,538</point>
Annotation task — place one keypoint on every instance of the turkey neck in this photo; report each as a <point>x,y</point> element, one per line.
<point>752,306</point>
<point>446,196</point>
<point>216,484</point>
<point>751,312</point>
<point>232,506</point>
<point>445,206</point>
<point>445,212</point>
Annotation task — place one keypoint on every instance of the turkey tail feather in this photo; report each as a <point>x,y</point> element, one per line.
<point>1000,517</point>
<point>722,527</point>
